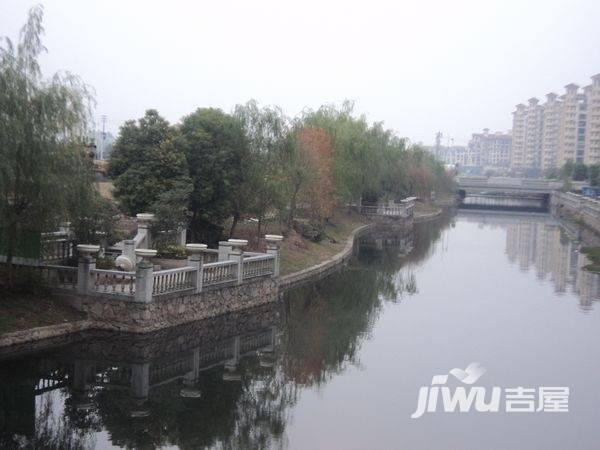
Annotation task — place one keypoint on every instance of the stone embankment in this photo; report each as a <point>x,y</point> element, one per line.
<point>326,267</point>
<point>577,208</point>
<point>118,313</point>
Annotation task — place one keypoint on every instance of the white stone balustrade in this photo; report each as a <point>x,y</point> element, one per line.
<point>87,263</point>
<point>237,255</point>
<point>144,277</point>
<point>273,242</point>
<point>144,284</point>
<point>196,260</point>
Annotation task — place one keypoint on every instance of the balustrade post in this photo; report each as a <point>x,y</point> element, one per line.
<point>87,262</point>
<point>144,276</point>
<point>196,260</point>
<point>237,254</point>
<point>144,221</point>
<point>224,250</point>
<point>273,241</point>
<point>129,253</point>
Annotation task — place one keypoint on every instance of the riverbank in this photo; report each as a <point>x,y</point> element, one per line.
<point>423,212</point>
<point>28,311</point>
<point>302,260</point>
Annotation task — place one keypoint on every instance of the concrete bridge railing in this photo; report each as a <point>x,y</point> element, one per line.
<point>506,184</point>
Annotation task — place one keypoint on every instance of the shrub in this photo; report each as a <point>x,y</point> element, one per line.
<point>172,252</point>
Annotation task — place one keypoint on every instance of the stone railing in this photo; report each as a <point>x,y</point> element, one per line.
<point>112,282</point>
<point>144,285</point>
<point>259,266</point>
<point>219,272</point>
<point>211,255</point>
<point>60,248</point>
<point>59,277</point>
<point>395,210</point>
<point>174,280</point>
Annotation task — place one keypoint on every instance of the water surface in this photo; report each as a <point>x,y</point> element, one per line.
<point>339,363</point>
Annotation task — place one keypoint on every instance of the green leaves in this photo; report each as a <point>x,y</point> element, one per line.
<point>43,160</point>
<point>148,160</point>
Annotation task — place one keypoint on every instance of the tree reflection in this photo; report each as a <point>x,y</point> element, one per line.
<point>245,378</point>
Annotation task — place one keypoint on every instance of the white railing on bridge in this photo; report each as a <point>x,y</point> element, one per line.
<point>259,266</point>
<point>509,183</point>
<point>219,272</point>
<point>112,282</point>
<point>174,280</point>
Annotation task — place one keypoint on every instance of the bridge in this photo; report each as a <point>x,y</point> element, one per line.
<point>505,185</point>
<point>506,193</point>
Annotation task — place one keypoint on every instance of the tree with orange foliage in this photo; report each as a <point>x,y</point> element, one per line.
<point>315,158</point>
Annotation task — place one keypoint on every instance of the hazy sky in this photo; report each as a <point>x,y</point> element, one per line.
<point>420,66</point>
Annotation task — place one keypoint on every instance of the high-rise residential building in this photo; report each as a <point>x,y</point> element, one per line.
<point>565,128</point>
<point>592,135</point>
<point>551,124</point>
<point>491,149</point>
<point>571,136</point>
<point>517,157</point>
<point>534,121</point>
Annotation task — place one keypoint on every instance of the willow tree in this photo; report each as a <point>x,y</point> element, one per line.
<point>44,170</point>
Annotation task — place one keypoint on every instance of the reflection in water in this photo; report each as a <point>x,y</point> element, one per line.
<point>541,244</point>
<point>238,381</point>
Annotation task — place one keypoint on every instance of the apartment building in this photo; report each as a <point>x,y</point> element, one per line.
<point>534,121</point>
<point>491,149</point>
<point>592,134</point>
<point>564,128</point>
<point>571,136</point>
<point>517,157</point>
<point>550,130</point>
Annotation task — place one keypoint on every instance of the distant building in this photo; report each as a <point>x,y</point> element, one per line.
<point>491,149</point>
<point>592,137</point>
<point>571,136</point>
<point>550,131</point>
<point>104,144</point>
<point>534,121</point>
<point>454,154</point>
<point>517,157</point>
<point>565,128</point>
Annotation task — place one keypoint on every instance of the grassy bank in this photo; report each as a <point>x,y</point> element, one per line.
<point>299,253</point>
<point>24,311</point>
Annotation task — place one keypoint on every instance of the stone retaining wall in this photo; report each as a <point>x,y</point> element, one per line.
<point>577,208</point>
<point>123,315</point>
<point>51,332</point>
<point>117,314</point>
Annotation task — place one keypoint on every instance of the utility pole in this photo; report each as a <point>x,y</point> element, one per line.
<point>438,143</point>
<point>103,118</point>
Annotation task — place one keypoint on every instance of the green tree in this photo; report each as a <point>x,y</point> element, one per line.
<point>594,174</point>
<point>44,168</point>
<point>147,162</point>
<point>580,172</point>
<point>214,145</point>
<point>266,133</point>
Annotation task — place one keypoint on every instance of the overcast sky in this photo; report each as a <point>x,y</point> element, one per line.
<point>420,66</point>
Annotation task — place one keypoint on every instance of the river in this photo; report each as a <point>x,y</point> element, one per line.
<point>340,363</point>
